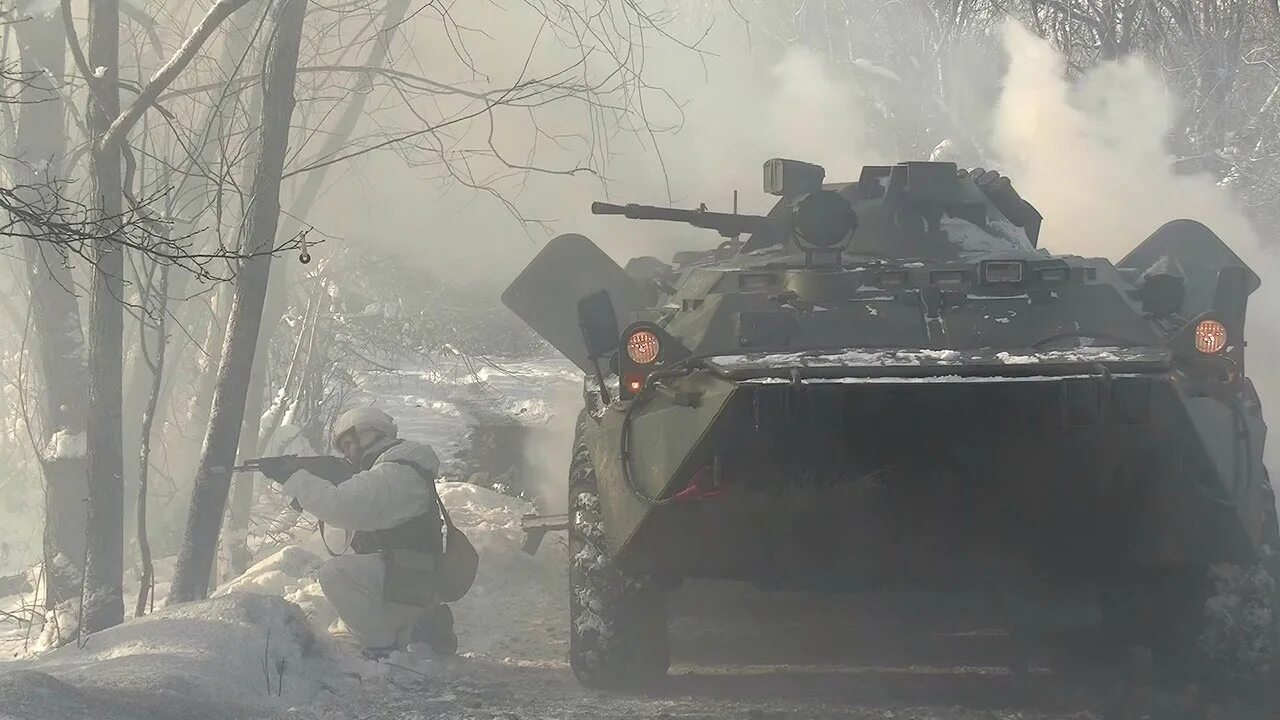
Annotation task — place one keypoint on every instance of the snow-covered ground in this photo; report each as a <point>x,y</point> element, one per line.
<point>211,654</point>
<point>262,645</point>
<point>216,658</point>
<point>437,404</point>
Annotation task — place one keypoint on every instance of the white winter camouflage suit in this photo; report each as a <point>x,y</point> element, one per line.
<point>380,498</point>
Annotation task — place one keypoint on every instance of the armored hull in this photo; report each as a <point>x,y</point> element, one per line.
<point>890,385</point>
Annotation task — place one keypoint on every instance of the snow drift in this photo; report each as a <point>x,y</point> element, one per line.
<point>205,659</point>
<point>226,656</point>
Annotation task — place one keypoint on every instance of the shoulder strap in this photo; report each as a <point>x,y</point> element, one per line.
<point>375,458</point>
<point>431,483</point>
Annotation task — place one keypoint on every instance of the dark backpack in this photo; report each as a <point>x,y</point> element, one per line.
<point>455,572</point>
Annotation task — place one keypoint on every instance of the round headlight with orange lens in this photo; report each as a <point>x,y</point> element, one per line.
<point>1211,337</point>
<point>643,347</point>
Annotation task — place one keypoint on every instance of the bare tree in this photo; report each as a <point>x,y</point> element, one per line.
<point>208,501</point>
<point>301,204</point>
<point>155,318</point>
<point>109,126</point>
<point>103,603</point>
<point>55,313</point>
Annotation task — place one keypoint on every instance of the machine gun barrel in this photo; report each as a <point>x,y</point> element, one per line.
<point>727,224</point>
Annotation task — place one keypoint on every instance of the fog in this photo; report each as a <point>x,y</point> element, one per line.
<point>1090,154</point>
<point>476,146</point>
<point>717,113</point>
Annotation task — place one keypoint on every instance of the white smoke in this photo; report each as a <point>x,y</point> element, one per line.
<point>1091,157</point>
<point>1090,154</point>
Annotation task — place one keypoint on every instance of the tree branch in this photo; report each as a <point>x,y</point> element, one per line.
<point>187,52</point>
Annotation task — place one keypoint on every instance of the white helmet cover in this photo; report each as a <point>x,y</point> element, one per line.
<point>365,418</point>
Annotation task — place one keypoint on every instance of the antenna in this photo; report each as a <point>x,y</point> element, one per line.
<point>737,236</point>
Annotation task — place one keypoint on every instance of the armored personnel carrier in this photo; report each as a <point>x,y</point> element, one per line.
<point>888,385</point>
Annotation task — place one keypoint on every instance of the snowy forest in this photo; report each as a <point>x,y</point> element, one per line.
<point>226,222</point>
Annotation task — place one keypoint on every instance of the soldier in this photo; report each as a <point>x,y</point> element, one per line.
<point>383,592</point>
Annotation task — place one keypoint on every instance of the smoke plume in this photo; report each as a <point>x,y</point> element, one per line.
<point>1090,153</point>
<point>1091,157</point>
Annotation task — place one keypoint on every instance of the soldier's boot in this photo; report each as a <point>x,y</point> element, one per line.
<point>435,628</point>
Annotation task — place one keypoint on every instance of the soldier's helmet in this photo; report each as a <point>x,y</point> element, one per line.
<point>365,418</point>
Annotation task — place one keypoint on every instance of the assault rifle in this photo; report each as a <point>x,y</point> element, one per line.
<point>334,469</point>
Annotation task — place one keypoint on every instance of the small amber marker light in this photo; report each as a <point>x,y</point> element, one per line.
<point>1211,337</point>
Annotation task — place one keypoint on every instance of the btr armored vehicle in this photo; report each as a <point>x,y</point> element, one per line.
<point>886,384</point>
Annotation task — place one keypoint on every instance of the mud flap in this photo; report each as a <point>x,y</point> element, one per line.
<point>546,294</point>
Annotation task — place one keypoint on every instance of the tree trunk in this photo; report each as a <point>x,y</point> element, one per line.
<point>213,479</point>
<point>236,535</point>
<point>234,59</point>
<point>309,193</point>
<point>103,599</point>
<point>55,314</point>
<point>160,293</point>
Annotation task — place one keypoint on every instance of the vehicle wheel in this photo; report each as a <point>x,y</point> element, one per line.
<point>1241,634</point>
<point>617,622</point>
<point>1214,628</point>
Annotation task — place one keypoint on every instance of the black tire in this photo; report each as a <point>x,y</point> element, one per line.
<point>617,622</point>
<point>1215,627</point>
<point>1241,635</point>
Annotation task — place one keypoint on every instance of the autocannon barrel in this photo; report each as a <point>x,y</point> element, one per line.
<point>633,211</point>
<point>727,224</point>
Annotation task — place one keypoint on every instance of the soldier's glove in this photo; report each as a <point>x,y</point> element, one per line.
<point>279,469</point>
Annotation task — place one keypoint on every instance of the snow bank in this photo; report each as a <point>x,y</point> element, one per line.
<point>195,660</point>
<point>290,573</point>
<point>34,695</point>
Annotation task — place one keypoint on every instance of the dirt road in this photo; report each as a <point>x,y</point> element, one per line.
<point>745,654</point>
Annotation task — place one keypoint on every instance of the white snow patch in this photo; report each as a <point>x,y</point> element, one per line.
<point>1241,628</point>
<point>931,379</point>
<point>874,69</point>
<point>855,358</point>
<point>191,659</point>
<point>1011,359</point>
<point>100,72</point>
<point>64,446</point>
